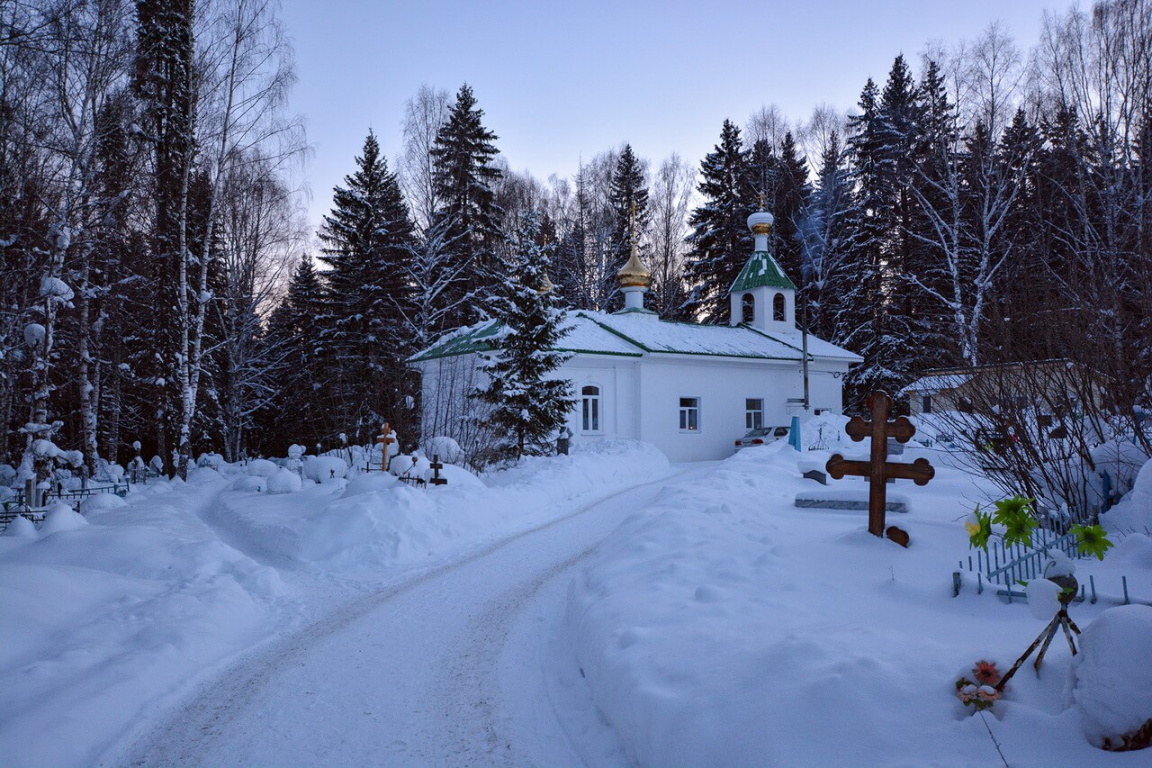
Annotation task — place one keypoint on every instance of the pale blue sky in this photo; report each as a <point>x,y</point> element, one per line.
<point>561,80</point>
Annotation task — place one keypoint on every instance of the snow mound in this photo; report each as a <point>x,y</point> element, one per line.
<point>102,501</point>
<point>370,482</point>
<point>247,483</point>
<point>323,469</point>
<point>284,481</point>
<point>458,477</point>
<point>446,448</point>
<point>22,528</point>
<point>262,468</point>
<point>1113,673</point>
<point>61,517</point>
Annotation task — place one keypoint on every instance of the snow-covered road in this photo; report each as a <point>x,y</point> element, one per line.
<point>449,667</point>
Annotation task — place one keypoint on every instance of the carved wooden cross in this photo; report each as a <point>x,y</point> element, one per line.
<point>877,469</point>
<point>384,440</point>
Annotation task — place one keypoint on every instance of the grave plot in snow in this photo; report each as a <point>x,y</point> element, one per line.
<point>724,626</point>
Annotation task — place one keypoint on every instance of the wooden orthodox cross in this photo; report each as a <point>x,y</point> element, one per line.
<point>384,440</point>
<point>878,469</point>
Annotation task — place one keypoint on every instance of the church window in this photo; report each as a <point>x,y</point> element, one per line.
<point>779,313</point>
<point>590,409</point>
<point>748,308</point>
<point>689,414</point>
<point>926,403</point>
<point>753,413</point>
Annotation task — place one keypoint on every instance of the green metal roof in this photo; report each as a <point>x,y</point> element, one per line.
<point>761,270</point>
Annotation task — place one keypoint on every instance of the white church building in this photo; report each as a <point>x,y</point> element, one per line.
<point>691,390</point>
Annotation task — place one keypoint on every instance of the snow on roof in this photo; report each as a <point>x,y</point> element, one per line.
<point>635,333</point>
<point>651,334</point>
<point>817,347</point>
<point>939,382</point>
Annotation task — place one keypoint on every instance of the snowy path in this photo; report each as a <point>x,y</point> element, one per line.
<point>446,668</point>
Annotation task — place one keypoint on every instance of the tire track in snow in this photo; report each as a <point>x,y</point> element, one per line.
<point>417,666</point>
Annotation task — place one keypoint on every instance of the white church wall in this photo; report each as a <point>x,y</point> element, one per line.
<point>722,386</point>
<point>615,377</point>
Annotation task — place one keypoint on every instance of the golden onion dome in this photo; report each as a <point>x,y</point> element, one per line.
<point>634,273</point>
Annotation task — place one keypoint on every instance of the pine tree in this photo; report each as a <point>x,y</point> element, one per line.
<point>528,403</point>
<point>368,241</point>
<point>465,177</point>
<point>720,239</point>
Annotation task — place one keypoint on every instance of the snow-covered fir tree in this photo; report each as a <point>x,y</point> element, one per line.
<point>464,178</point>
<point>720,240</point>
<point>529,405</point>
<point>368,242</point>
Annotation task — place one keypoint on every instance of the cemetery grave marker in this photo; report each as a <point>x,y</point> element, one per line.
<point>877,469</point>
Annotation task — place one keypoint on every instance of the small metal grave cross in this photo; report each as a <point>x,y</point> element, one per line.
<point>436,467</point>
<point>384,440</point>
<point>877,469</point>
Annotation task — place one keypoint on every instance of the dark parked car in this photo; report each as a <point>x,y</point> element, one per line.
<point>762,436</point>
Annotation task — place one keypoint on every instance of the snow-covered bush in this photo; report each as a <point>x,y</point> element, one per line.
<point>8,474</point>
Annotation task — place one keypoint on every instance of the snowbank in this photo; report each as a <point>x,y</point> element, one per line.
<point>1113,674</point>
<point>1134,511</point>
<point>374,521</point>
<point>106,614</point>
<point>722,626</point>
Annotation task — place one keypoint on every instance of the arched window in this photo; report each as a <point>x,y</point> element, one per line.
<point>778,312</point>
<point>590,409</point>
<point>748,308</point>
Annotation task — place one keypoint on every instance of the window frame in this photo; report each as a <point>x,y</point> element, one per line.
<point>597,402</point>
<point>686,414</point>
<point>750,414</point>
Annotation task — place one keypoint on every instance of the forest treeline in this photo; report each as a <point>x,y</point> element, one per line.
<point>983,204</point>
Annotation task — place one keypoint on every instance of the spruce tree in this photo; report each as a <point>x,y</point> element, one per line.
<point>628,197</point>
<point>368,241</point>
<point>528,403</point>
<point>863,313</point>
<point>788,200</point>
<point>465,177</point>
<point>720,239</point>
<point>292,332</point>
<point>825,274</point>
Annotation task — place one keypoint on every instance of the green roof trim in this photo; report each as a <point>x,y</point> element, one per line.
<point>761,270</point>
<point>475,339</point>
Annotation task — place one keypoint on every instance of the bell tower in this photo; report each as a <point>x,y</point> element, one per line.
<point>762,296</point>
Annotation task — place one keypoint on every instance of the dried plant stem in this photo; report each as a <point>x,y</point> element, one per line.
<point>994,742</point>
